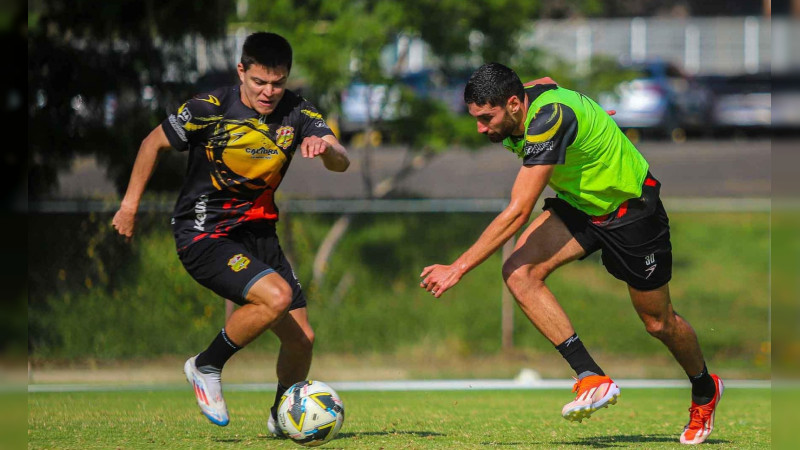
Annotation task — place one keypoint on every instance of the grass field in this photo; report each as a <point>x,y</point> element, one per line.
<point>643,418</point>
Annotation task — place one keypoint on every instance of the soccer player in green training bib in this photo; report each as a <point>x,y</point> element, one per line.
<point>606,199</point>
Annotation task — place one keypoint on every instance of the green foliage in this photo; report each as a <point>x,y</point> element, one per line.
<point>643,418</point>
<point>336,42</point>
<point>428,124</point>
<point>82,51</point>
<point>370,300</point>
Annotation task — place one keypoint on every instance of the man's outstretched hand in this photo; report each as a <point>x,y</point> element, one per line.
<point>438,278</point>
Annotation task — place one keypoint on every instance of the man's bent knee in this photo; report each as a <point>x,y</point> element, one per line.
<point>515,273</point>
<point>272,293</point>
<point>658,327</point>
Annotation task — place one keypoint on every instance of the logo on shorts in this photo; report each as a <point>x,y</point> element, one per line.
<point>238,262</point>
<point>650,262</point>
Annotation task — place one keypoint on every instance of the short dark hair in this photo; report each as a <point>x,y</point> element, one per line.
<point>493,83</point>
<point>267,49</point>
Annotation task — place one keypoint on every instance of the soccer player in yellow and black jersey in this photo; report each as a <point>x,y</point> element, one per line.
<point>241,140</point>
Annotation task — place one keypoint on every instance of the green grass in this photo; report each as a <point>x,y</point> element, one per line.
<point>643,418</point>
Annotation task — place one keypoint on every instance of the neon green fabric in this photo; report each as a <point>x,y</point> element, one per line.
<point>601,168</point>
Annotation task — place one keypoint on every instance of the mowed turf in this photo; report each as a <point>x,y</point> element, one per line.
<point>643,418</point>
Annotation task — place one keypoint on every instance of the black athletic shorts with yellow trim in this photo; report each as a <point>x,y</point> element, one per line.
<point>230,265</point>
<point>638,252</point>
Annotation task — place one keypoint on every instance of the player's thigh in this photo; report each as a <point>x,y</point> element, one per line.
<point>295,327</point>
<point>224,266</point>
<point>653,303</point>
<point>269,250</point>
<point>545,245</point>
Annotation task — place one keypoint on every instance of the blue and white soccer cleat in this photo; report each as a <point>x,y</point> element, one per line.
<point>208,391</point>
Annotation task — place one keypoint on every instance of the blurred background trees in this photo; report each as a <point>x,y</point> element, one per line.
<point>87,59</point>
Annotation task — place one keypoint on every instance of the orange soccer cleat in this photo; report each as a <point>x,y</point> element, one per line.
<point>701,417</point>
<point>594,392</point>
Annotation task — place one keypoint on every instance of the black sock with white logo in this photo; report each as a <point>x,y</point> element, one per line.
<point>217,354</point>
<point>703,387</point>
<point>578,357</point>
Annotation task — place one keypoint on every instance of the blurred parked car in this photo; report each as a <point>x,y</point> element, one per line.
<point>362,102</point>
<point>785,113</point>
<point>742,102</point>
<point>661,99</point>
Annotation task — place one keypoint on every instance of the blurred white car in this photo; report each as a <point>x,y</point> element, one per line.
<point>743,101</point>
<point>661,99</point>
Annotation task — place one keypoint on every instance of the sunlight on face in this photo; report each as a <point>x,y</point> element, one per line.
<point>493,121</point>
<point>262,87</point>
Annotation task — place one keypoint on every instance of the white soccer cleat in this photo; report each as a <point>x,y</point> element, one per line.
<point>208,391</point>
<point>594,392</point>
<point>272,425</point>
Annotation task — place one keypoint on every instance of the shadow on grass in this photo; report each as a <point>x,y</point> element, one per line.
<point>622,440</point>
<point>389,433</point>
<point>352,435</point>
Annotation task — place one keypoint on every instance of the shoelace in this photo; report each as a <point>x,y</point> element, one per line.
<point>577,386</point>
<point>578,383</point>
<point>697,415</point>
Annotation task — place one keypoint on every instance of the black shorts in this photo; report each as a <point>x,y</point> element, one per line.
<point>230,265</point>
<point>638,253</point>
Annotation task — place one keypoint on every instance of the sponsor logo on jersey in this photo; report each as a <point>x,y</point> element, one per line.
<point>312,114</point>
<point>533,149</point>
<point>177,127</point>
<point>184,115</point>
<point>320,124</point>
<point>261,153</point>
<point>200,212</point>
<point>238,262</point>
<point>285,137</point>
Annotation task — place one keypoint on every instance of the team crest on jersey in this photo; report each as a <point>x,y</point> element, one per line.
<point>238,262</point>
<point>285,137</point>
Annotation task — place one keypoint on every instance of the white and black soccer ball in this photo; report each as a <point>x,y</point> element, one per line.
<point>310,413</point>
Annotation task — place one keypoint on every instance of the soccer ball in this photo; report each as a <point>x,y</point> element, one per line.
<point>310,413</point>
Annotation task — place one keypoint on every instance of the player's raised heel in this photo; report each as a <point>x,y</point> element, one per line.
<point>594,392</point>
<point>701,417</point>
<point>208,391</point>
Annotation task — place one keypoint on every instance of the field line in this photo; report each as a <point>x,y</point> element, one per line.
<point>401,385</point>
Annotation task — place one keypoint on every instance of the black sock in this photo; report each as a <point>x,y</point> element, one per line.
<point>217,354</point>
<point>578,357</point>
<point>703,387</point>
<point>278,394</point>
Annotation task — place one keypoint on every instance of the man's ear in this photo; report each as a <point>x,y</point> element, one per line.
<point>240,70</point>
<point>513,104</point>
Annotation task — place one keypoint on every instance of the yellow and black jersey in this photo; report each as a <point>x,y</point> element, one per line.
<point>237,159</point>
